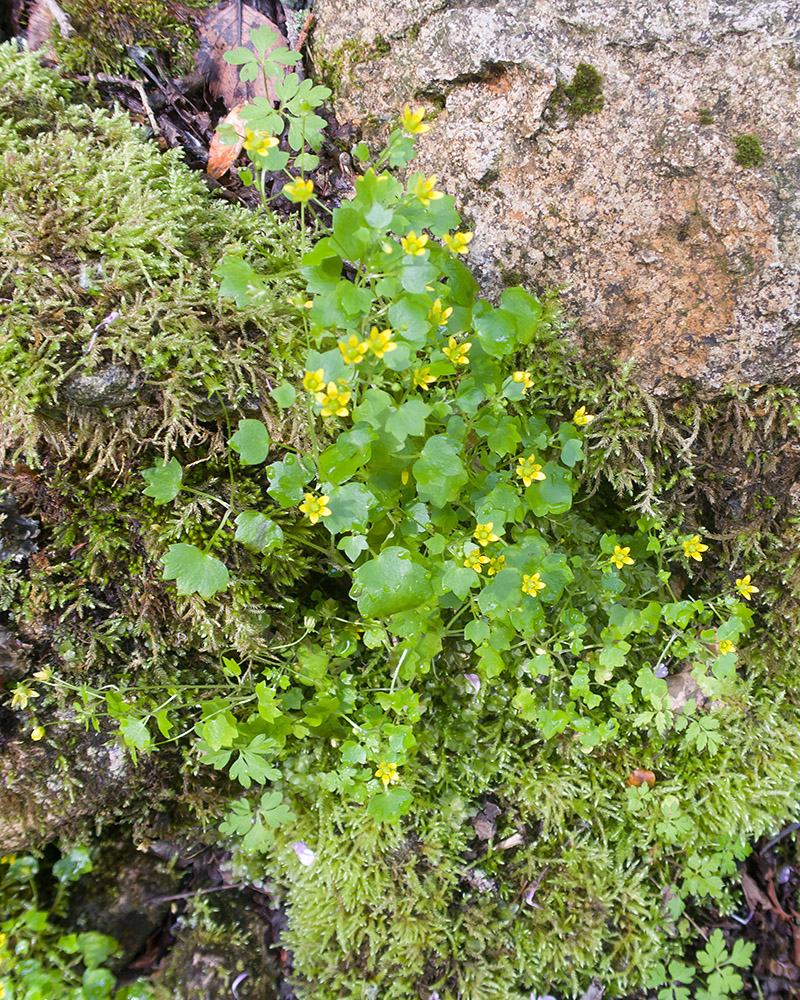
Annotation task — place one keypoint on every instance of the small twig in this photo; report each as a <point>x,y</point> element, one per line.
<point>190,895</point>
<point>301,38</point>
<point>784,833</point>
<point>148,110</point>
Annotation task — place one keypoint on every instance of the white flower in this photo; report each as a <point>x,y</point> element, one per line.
<point>304,853</point>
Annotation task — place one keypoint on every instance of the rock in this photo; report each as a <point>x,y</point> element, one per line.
<point>68,782</point>
<point>669,251</point>
<point>681,687</point>
<point>17,533</point>
<point>123,896</point>
<point>112,385</point>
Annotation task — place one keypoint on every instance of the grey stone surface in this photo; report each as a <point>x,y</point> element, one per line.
<point>667,250</point>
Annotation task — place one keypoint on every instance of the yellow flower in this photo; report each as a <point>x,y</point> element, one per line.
<point>726,646</point>
<point>582,418</point>
<point>484,535</point>
<point>438,314</point>
<point>457,243</point>
<point>258,142</point>
<point>694,548</point>
<point>426,191</point>
<point>37,733</point>
<point>530,471</point>
<point>457,353</point>
<point>496,563</point>
<point>387,773</point>
<point>621,556</point>
<point>22,695</point>
<point>2,991</point>
<point>44,674</point>
<point>525,379</point>
<point>299,191</point>
<point>476,560</point>
<point>334,399</point>
<point>422,377</point>
<point>314,381</point>
<point>532,584</point>
<point>8,859</point>
<point>411,121</point>
<point>745,588</point>
<point>414,245</point>
<point>314,507</point>
<point>381,343</point>
<point>353,350</point>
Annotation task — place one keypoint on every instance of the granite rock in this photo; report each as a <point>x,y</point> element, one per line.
<point>667,250</point>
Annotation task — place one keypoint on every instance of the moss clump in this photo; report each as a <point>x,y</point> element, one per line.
<point>104,29</point>
<point>584,95</point>
<point>749,152</point>
<point>109,300</point>
<point>337,68</point>
<point>704,116</point>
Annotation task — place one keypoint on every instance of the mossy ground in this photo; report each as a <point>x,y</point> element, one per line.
<point>104,30</point>
<point>94,220</point>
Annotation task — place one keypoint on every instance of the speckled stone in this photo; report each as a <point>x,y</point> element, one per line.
<point>667,251</point>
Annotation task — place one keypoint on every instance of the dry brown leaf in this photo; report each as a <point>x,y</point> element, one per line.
<point>640,776</point>
<point>220,30</point>
<point>40,26</point>
<point>220,156</point>
<point>754,896</point>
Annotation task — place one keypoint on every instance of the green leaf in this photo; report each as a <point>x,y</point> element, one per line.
<point>353,546</point>
<point>163,481</point>
<point>552,495</point>
<point>135,734</point>
<point>284,395</point>
<point>239,281</point>
<point>239,56</point>
<point>350,506</point>
<point>502,504</point>
<point>459,580</point>
<point>353,753</point>
<point>408,420</point>
<point>274,810</point>
<point>344,458</point>
<point>439,471</point>
<point>193,571</point>
<point>257,532</point>
<point>571,452</point>
<point>95,948</point>
<point>251,765</point>
<point>73,865</point>
<point>287,479</point>
<point>496,329</point>
<point>504,439</point>
<point>391,583</point>
<point>251,441</point>
<point>389,806</point>
<point>477,631</point>
<point>219,731</point>
<point>97,984</point>
<point>502,594</point>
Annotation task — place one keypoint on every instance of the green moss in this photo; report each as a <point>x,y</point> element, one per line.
<point>749,152</point>
<point>704,116</point>
<point>336,69</point>
<point>104,29</point>
<point>584,94</point>
<point>139,244</point>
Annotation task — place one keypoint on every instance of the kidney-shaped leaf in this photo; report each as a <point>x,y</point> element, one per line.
<point>193,571</point>
<point>391,583</point>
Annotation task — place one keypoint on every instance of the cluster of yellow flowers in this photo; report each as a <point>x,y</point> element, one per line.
<point>387,772</point>
<point>299,190</point>
<point>258,142</point>
<point>426,191</point>
<point>457,353</point>
<point>378,343</point>
<point>315,507</point>
<point>523,378</point>
<point>529,470</point>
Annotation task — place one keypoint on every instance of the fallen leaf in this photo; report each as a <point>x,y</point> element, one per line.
<point>223,29</point>
<point>641,777</point>
<point>40,26</point>
<point>220,156</point>
<point>754,896</point>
